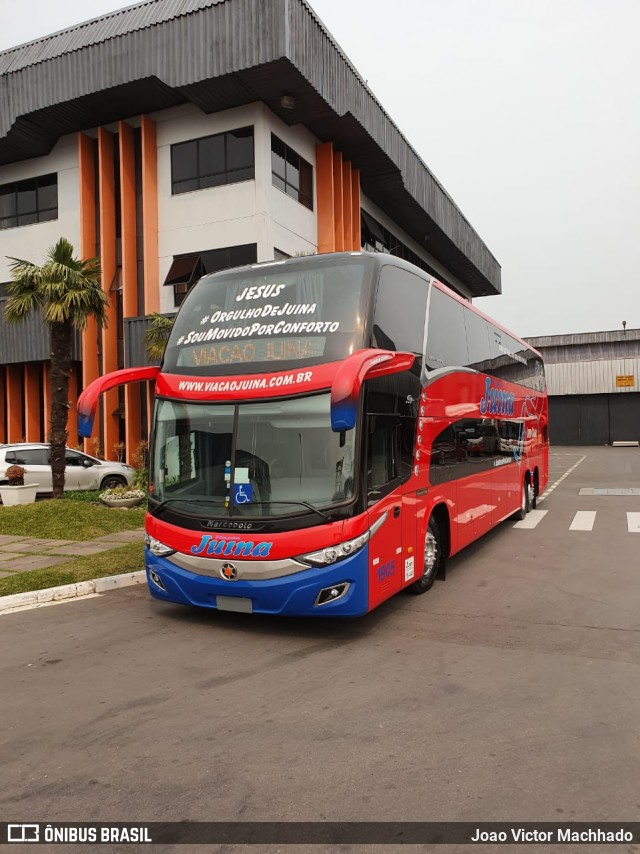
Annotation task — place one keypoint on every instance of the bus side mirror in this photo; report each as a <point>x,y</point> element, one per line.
<point>361,366</point>
<point>88,400</point>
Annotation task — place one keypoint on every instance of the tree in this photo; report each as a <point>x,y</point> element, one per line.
<point>68,292</point>
<point>157,335</point>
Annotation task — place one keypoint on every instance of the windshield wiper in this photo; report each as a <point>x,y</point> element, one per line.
<point>162,504</point>
<point>301,503</point>
<point>165,501</point>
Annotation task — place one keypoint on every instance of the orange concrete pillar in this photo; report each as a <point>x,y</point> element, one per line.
<point>150,230</point>
<point>32,402</point>
<point>347,204</point>
<point>338,203</point>
<point>13,393</point>
<point>356,242</point>
<point>132,409</point>
<point>325,197</point>
<point>107,205</point>
<point>46,370</point>
<point>150,215</point>
<point>90,348</point>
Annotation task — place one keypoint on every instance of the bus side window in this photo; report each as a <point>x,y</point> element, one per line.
<point>401,307</point>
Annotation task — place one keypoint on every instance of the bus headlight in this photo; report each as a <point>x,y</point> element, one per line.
<point>332,554</point>
<point>156,547</point>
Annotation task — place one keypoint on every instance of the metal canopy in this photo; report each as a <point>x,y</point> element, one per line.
<point>219,54</point>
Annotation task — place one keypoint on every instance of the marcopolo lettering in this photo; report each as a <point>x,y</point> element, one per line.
<point>238,548</point>
<point>496,401</point>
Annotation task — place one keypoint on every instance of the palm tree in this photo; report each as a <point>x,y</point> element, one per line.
<point>68,292</point>
<point>157,335</point>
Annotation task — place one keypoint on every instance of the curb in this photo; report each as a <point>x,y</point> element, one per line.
<point>71,591</point>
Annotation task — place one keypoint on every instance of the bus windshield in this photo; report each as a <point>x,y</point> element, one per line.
<point>286,458</point>
<point>271,317</point>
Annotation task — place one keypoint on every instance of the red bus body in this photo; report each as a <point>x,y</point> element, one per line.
<point>352,478</point>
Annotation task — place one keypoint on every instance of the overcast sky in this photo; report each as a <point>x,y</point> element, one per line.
<point>527,113</point>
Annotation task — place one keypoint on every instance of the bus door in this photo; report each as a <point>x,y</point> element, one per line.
<point>384,499</point>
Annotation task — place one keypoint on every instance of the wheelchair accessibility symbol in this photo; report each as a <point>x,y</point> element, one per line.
<point>242,493</point>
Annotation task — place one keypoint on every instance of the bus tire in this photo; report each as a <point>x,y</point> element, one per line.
<point>534,491</point>
<point>525,500</point>
<point>433,559</point>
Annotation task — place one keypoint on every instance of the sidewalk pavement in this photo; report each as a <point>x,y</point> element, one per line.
<point>21,554</point>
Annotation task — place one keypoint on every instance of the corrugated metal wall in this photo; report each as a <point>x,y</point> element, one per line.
<point>27,341</point>
<point>597,377</point>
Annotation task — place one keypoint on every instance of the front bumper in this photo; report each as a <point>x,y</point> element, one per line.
<point>290,595</point>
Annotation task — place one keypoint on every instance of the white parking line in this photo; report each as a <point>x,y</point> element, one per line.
<point>550,489</point>
<point>532,519</point>
<point>633,523</point>
<point>583,520</point>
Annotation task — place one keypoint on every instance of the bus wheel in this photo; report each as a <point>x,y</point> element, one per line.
<point>525,500</point>
<point>433,559</point>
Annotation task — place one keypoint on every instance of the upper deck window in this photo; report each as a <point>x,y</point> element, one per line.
<point>458,337</point>
<point>291,173</point>
<point>29,201</point>
<point>211,161</point>
<point>270,317</point>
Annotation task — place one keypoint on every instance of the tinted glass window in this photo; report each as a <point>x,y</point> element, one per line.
<point>32,457</point>
<point>224,158</point>
<point>401,307</point>
<point>29,201</point>
<point>291,173</point>
<point>299,313</point>
<point>446,344</point>
<point>458,337</point>
<point>285,454</point>
<point>470,445</point>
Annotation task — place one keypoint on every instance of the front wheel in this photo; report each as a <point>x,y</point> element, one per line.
<point>113,480</point>
<point>433,559</point>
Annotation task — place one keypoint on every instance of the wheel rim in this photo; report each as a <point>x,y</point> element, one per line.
<point>531,494</point>
<point>523,503</point>
<point>430,554</point>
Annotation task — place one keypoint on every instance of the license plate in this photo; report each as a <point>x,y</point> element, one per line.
<point>234,603</point>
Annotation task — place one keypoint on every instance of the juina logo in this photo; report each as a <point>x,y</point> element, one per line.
<point>238,548</point>
<point>496,401</point>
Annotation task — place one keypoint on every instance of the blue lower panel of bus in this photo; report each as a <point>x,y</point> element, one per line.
<point>291,595</point>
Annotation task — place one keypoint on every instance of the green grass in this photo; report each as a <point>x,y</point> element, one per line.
<point>129,558</point>
<point>64,519</point>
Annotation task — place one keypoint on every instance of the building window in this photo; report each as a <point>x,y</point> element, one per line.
<point>211,161</point>
<point>291,173</point>
<point>377,238</point>
<point>187,269</point>
<point>279,255</point>
<point>29,201</point>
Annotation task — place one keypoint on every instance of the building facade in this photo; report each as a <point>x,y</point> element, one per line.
<point>180,137</point>
<point>593,381</point>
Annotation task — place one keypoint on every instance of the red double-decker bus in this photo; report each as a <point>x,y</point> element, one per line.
<point>328,431</point>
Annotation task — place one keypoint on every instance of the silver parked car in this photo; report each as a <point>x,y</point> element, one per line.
<point>81,470</point>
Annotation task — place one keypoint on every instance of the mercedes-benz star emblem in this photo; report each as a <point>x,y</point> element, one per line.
<point>229,572</point>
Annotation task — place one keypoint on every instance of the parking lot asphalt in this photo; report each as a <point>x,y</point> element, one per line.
<point>509,692</point>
